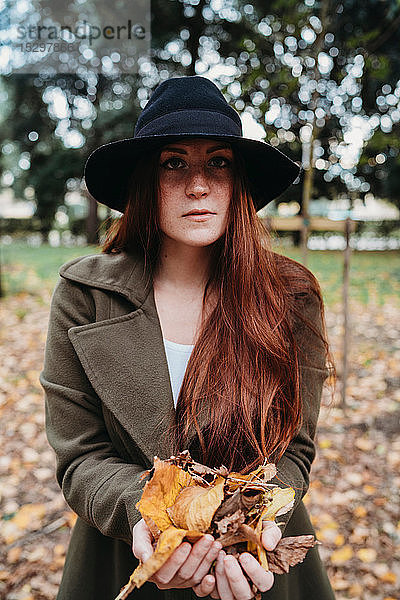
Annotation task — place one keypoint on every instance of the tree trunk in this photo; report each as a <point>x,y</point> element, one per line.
<point>92,223</point>
<point>309,166</point>
<point>195,25</point>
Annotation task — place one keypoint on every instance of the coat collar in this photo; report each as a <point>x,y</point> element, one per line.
<point>124,357</point>
<point>124,273</point>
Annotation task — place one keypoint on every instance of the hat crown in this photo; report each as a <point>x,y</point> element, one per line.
<point>191,94</point>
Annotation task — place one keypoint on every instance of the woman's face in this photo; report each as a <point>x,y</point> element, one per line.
<point>195,174</point>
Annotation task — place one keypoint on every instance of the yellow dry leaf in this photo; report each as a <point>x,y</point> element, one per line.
<point>360,511</point>
<point>339,540</point>
<point>367,554</point>
<point>263,473</point>
<point>355,590</point>
<point>13,555</point>
<point>70,518</point>
<point>333,455</point>
<point>29,516</point>
<point>279,499</point>
<point>161,492</point>
<point>389,577</point>
<point>342,555</point>
<point>195,506</point>
<point>59,550</point>
<point>253,547</point>
<point>168,541</point>
<point>324,443</point>
<point>262,557</point>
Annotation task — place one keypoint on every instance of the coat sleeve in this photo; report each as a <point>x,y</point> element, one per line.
<point>97,484</point>
<point>295,465</point>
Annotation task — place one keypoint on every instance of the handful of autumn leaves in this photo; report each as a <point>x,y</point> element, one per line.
<point>185,499</point>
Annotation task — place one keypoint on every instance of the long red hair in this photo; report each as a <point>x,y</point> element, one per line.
<point>245,362</point>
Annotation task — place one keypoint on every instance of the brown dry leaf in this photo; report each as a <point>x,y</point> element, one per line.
<point>230,522</point>
<point>289,552</point>
<point>155,531</point>
<point>195,506</point>
<point>178,503</point>
<point>161,491</point>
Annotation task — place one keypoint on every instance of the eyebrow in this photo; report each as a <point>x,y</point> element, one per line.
<point>182,151</point>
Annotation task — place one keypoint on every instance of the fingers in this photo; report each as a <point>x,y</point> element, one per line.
<point>271,534</point>
<point>201,571</point>
<point>237,581</point>
<point>264,580</point>
<point>199,551</point>
<point>169,569</point>
<point>205,587</point>
<point>142,539</point>
<point>207,580</point>
<point>214,594</point>
<point>223,587</point>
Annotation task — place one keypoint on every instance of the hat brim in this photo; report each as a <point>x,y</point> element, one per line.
<point>108,168</point>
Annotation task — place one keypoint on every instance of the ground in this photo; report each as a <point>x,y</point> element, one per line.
<point>353,497</point>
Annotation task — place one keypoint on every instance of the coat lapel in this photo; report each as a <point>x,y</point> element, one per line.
<point>124,357</point>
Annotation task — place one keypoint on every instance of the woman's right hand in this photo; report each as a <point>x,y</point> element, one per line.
<point>188,566</point>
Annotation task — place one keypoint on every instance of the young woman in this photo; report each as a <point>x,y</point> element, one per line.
<point>187,331</point>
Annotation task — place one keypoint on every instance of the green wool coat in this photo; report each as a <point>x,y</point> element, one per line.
<point>108,400</point>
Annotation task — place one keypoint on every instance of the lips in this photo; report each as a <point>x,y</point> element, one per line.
<point>199,212</point>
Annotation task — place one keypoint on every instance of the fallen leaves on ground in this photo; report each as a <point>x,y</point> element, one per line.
<point>353,498</point>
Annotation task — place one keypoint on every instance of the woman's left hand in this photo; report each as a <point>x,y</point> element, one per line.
<point>231,582</point>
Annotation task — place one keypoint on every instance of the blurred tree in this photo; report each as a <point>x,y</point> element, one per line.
<point>317,75</point>
<point>380,163</point>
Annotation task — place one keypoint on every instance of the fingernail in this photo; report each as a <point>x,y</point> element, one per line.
<point>228,559</point>
<point>217,546</point>
<point>269,524</point>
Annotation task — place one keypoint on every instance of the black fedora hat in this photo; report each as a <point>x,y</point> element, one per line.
<point>184,107</point>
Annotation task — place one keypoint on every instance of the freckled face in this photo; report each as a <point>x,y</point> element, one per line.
<point>195,174</point>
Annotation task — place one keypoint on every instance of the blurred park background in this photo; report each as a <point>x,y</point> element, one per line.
<point>320,80</point>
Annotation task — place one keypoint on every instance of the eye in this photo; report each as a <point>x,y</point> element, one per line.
<point>223,158</point>
<point>171,160</point>
<point>172,163</point>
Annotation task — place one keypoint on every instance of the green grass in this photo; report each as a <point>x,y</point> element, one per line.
<point>26,268</point>
<point>374,275</point>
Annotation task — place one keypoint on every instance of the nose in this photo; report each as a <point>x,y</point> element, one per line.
<point>197,185</point>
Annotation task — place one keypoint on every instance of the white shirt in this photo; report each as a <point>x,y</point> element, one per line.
<point>177,358</point>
